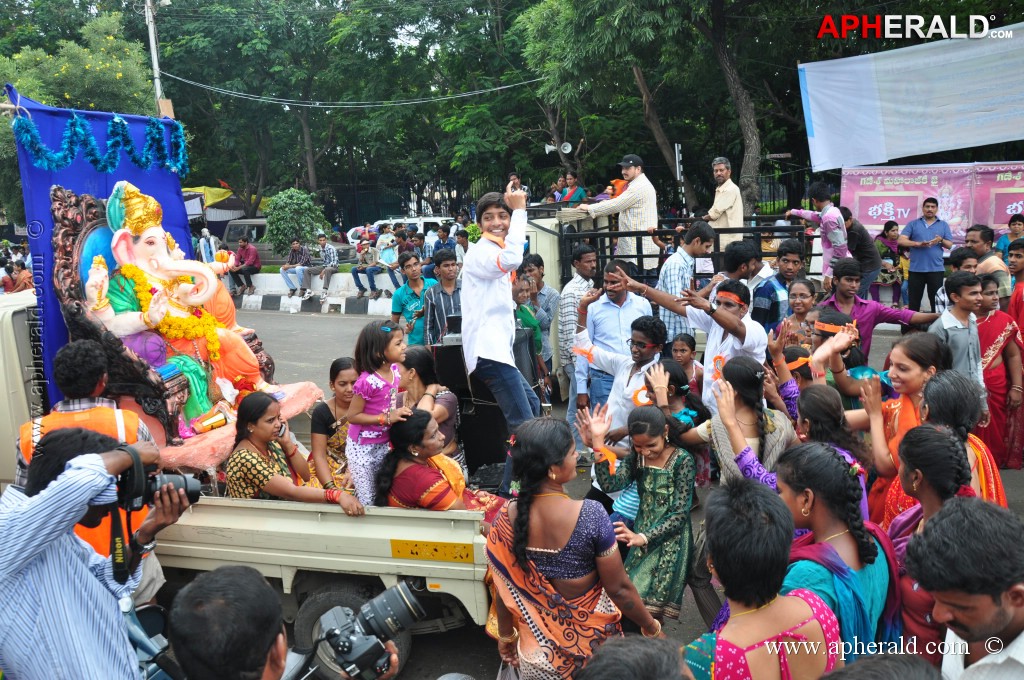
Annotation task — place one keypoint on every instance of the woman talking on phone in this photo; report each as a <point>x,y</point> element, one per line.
<point>265,463</point>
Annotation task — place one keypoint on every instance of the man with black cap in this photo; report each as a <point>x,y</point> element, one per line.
<point>638,211</point>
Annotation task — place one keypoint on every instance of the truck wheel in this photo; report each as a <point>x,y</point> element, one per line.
<point>318,603</point>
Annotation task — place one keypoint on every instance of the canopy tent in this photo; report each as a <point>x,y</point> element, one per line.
<point>219,205</point>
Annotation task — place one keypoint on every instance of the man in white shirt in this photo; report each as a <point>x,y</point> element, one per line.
<point>970,559</point>
<point>488,322</point>
<point>638,211</point>
<point>608,320</point>
<point>727,211</point>
<point>731,332</point>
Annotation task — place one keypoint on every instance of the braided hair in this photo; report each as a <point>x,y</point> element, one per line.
<point>939,454</point>
<point>538,444</point>
<point>822,407</point>
<point>823,470</point>
<point>403,435</point>
<point>747,377</point>
<point>953,400</point>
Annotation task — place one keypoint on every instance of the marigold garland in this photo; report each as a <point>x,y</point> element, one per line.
<point>200,325</point>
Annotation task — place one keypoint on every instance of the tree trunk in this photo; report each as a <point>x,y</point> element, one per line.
<point>653,122</point>
<point>308,152</point>
<point>749,185</point>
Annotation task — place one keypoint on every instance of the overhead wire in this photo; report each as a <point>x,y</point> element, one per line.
<point>281,101</point>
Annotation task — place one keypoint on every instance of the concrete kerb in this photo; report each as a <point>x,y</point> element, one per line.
<point>272,295</point>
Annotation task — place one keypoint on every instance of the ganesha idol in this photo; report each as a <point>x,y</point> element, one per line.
<point>183,301</point>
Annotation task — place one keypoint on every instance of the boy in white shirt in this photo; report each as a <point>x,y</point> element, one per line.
<point>488,322</point>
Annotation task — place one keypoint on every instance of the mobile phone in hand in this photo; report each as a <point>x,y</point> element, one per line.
<point>281,431</point>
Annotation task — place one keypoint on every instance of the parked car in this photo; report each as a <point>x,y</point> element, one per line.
<point>256,230</point>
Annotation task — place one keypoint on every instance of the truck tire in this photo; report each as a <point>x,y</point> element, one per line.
<point>342,594</point>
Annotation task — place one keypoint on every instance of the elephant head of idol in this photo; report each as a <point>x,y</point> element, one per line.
<point>140,240</point>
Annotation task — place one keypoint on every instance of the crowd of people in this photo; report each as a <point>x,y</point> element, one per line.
<point>854,506</point>
<point>15,268</point>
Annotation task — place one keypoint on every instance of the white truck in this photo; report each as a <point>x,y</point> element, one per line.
<point>314,555</point>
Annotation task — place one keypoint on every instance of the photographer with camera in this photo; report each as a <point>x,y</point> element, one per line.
<point>61,617</point>
<point>80,372</point>
<point>228,625</point>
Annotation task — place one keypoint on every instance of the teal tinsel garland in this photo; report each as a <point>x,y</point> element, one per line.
<point>78,136</point>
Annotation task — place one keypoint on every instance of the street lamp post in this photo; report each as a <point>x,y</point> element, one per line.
<point>153,51</point>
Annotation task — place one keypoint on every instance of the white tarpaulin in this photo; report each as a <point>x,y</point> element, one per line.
<point>948,94</point>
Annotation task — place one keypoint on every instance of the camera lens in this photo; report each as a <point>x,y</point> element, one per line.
<point>391,612</point>
<point>190,484</point>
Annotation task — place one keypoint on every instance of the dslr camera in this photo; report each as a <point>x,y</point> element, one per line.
<point>138,484</point>
<point>357,640</point>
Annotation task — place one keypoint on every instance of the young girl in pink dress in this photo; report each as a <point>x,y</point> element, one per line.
<point>379,349</point>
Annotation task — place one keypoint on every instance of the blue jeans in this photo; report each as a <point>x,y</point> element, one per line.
<point>516,399</point>
<point>570,407</point>
<point>866,279</point>
<point>371,272</point>
<point>298,272</point>
<point>600,387</point>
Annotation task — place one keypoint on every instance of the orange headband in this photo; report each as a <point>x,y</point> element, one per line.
<point>831,328</point>
<point>726,295</point>
<point>793,365</point>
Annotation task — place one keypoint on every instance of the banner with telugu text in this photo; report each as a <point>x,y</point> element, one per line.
<point>968,193</point>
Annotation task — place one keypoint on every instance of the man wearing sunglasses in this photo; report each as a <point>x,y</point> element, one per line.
<point>731,332</point>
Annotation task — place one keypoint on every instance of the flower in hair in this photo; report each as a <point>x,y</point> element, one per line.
<point>513,489</point>
<point>856,469</point>
<point>511,441</point>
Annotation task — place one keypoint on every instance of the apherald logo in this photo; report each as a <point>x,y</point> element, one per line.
<point>897,26</point>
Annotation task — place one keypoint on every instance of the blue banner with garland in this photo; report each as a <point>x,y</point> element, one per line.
<point>88,152</point>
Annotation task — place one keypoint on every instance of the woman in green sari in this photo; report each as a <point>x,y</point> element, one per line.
<point>661,541</point>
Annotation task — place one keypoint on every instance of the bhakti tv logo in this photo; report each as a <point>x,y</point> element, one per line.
<point>900,26</point>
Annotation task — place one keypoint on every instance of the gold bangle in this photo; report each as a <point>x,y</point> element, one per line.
<point>655,634</point>
<point>661,387</point>
<point>101,305</point>
<point>145,320</point>
<point>510,638</point>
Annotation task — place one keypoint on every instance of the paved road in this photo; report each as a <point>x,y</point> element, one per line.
<point>303,346</point>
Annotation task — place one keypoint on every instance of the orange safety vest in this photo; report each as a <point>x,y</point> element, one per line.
<point>119,424</point>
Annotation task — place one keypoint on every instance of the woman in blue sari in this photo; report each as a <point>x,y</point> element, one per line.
<point>847,562</point>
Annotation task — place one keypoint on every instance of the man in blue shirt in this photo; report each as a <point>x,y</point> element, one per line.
<point>408,300</point>
<point>61,615</point>
<point>609,321</point>
<point>770,302</point>
<point>926,237</point>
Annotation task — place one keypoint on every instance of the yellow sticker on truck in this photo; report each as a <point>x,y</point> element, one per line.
<point>432,550</point>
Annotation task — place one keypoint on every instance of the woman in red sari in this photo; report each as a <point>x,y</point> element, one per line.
<point>415,474</point>
<point>1001,350</point>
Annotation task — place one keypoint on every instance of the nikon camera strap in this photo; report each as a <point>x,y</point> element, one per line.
<point>118,544</point>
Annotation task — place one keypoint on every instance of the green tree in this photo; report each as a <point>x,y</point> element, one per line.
<point>293,214</point>
<point>104,72</point>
